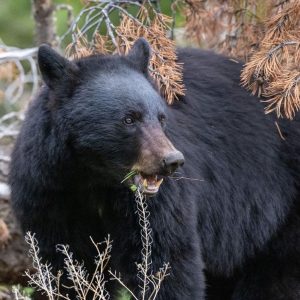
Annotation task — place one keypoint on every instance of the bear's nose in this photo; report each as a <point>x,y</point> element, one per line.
<point>172,161</point>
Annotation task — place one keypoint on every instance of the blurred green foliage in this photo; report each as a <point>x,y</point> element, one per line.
<point>17,24</point>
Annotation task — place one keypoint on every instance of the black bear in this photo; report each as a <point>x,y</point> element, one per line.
<point>227,220</point>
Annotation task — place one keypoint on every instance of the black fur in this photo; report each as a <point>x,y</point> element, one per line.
<point>240,205</point>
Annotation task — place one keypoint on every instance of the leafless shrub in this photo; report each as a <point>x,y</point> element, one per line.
<point>144,268</point>
<point>49,284</point>
<point>82,282</point>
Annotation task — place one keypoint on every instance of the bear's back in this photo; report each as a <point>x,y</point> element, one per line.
<point>236,150</point>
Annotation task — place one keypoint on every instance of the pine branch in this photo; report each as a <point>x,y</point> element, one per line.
<point>273,70</point>
<point>147,23</point>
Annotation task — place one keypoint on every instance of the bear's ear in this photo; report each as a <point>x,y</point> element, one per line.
<point>140,54</point>
<point>54,68</point>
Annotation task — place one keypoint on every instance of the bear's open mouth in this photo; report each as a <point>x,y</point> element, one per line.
<point>148,184</point>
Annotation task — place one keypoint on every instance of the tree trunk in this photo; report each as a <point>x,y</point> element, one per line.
<point>44,21</point>
<point>13,250</point>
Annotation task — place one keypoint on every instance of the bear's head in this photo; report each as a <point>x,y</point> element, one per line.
<point>114,117</point>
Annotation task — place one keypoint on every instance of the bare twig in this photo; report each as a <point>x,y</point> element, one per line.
<point>144,268</point>
<point>48,283</point>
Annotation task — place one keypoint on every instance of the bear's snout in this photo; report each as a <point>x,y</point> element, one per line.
<point>157,154</point>
<point>173,161</point>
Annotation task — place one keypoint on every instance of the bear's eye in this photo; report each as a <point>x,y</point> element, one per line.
<point>128,120</point>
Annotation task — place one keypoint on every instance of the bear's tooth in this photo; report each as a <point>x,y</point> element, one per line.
<point>145,183</point>
<point>158,183</point>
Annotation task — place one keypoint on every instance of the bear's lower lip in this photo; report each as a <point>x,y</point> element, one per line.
<point>148,184</point>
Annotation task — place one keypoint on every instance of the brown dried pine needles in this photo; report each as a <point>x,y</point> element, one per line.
<point>119,38</point>
<point>273,70</point>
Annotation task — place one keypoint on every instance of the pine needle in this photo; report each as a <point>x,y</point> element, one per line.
<point>147,23</point>
<point>273,71</point>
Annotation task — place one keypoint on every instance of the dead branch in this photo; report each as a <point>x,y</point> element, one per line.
<point>273,70</point>
<point>119,38</point>
<point>14,73</point>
